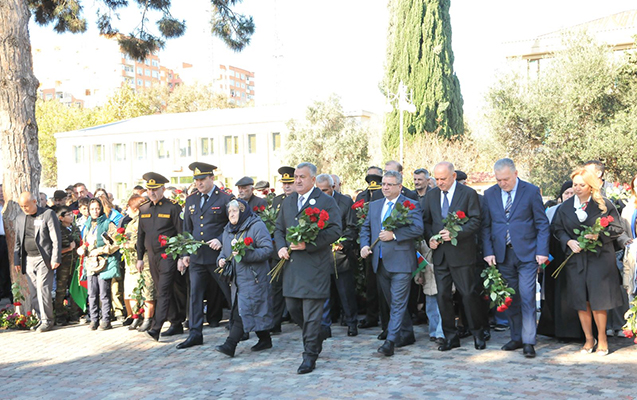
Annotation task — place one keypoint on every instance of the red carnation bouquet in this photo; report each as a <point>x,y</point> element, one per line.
<point>311,222</point>
<point>268,214</point>
<point>453,223</point>
<point>631,320</point>
<point>496,289</point>
<point>588,244</point>
<point>362,209</point>
<point>239,247</point>
<point>122,239</point>
<point>397,218</point>
<point>183,243</point>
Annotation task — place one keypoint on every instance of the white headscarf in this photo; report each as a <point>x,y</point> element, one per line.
<point>579,209</point>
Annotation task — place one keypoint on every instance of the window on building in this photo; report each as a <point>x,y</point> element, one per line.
<point>276,141</point>
<point>231,144</point>
<point>147,83</point>
<point>155,74</point>
<point>121,190</point>
<point>140,82</point>
<point>231,73</point>
<point>252,144</point>
<point>207,146</point>
<point>78,154</point>
<point>185,150</point>
<point>49,96</point>
<point>129,68</point>
<point>147,61</point>
<point>99,153</point>
<point>119,152</point>
<point>181,180</point>
<point>155,63</point>
<point>141,150</point>
<point>146,72</point>
<point>140,71</point>
<point>162,150</point>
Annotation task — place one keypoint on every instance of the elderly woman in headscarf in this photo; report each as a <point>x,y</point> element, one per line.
<point>252,300</point>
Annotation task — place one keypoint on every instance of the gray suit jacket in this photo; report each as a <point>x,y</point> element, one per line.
<point>399,255</point>
<point>47,238</point>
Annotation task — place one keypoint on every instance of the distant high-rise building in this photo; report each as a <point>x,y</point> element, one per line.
<point>237,83</point>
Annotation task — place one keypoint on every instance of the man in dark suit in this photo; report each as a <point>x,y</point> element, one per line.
<point>454,264</point>
<point>394,260</point>
<point>245,187</point>
<point>160,216</point>
<point>37,253</point>
<point>375,304</point>
<point>515,235</point>
<point>278,302</point>
<point>393,165</point>
<point>306,275</point>
<point>345,284</point>
<point>205,216</point>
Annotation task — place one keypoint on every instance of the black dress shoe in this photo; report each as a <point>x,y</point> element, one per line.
<point>275,330</point>
<point>191,341</point>
<point>246,336</point>
<point>387,349</point>
<point>487,335</point>
<point>440,340</point>
<point>512,345</point>
<point>352,330</point>
<point>175,329</point>
<point>449,344</point>
<point>326,332</point>
<point>127,321</point>
<point>262,344</point>
<point>528,351</point>
<point>213,324</point>
<point>306,367</point>
<point>480,344</point>
<point>226,349</point>
<point>463,333</point>
<point>153,334</point>
<point>409,340</point>
<point>383,335</point>
<point>364,324</point>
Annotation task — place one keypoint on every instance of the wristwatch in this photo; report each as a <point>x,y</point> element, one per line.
<point>394,235</point>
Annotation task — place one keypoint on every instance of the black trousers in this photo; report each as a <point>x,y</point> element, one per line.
<point>278,301</point>
<point>307,313</point>
<point>200,276</point>
<point>464,277</point>
<point>236,331</point>
<point>164,273</point>
<point>5,270</point>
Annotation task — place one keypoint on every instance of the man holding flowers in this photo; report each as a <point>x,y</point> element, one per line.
<point>515,236</point>
<point>306,272</point>
<point>454,252</point>
<point>394,256</point>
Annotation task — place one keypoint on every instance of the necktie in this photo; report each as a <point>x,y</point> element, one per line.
<point>387,213</point>
<point>205,199</point>
<point>300,202</point>
<point>445,205</point>
<point>507,212</point>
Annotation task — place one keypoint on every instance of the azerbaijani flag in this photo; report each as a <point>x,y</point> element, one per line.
<point>547,262</point>
<point>422,263</point>
<point>79,289</point>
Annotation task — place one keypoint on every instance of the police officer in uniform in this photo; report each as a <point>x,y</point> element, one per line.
<point>246,192</point>
<point>278,302</point>
<point>205,216</point>
<point>160,216</point>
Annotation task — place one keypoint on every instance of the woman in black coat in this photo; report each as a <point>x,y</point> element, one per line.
<point>592,277</point>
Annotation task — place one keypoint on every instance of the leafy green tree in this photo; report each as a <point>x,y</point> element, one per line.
<point>581,107</point>
<point>332,141</point>
<point>419,54</point>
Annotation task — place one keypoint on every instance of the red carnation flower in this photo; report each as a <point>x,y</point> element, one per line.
<point>17,303</point>
<point>313,218</point>
<point>610,218</point>
<point>461,214</point>
<point>603,222</point>
<point>508,301</point>
<point>316,210</point>
<point>134,316</point>
<point>121,230</point>
<point>76,212</point>
<point>321,224</point>
<point>628,333</point>
<point>29,314</point>
<point>412,206</point>
<point>359,204</point>
<point>635,340</point>
<point>162,237</point>
<point>262,208</point>
<point>324,215</point>
<point>248,241</point>
<point>309,211</point>
<point>486,297</point>
<point>265,192</point>
<point>272,190</point>
<point>179,191</point>
<point>164,256</point>
<point>141,310</point>
<point>255,208</point>
<point>363,216</point>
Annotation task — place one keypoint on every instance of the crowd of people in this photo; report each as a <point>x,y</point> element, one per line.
<point>415,265</point>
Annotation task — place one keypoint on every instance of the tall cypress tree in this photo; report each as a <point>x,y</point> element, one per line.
<point>419,53</point>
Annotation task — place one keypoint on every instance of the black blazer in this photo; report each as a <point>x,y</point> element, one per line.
<point>48,238</point>
<point>464,199</point>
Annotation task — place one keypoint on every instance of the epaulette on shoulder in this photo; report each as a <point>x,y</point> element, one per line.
<point>145,202</point>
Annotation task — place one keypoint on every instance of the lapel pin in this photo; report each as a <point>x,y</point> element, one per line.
<point>312,202</point>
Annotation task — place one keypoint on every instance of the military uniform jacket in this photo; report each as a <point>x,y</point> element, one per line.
<point>154,220</point>
<point>206,223</point>
<point>306,275</point>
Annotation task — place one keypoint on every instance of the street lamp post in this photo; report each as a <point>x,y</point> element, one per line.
<point>402,101</point>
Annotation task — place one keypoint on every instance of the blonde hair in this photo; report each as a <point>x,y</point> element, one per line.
<point>108,206</point>
<point>595,183</point>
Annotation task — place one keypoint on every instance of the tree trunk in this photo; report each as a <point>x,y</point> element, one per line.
<point>18,129</point>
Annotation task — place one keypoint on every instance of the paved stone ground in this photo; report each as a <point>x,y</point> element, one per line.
<point>74,362</point>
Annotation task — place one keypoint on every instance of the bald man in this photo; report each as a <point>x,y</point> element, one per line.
<point>37,253</point>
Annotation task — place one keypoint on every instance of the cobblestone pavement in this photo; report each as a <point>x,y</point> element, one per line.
<point>74,362</point>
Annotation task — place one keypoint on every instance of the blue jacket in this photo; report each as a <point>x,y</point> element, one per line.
<point>527,224</point>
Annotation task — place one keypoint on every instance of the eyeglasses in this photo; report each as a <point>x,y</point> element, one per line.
<point>389,184</point>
